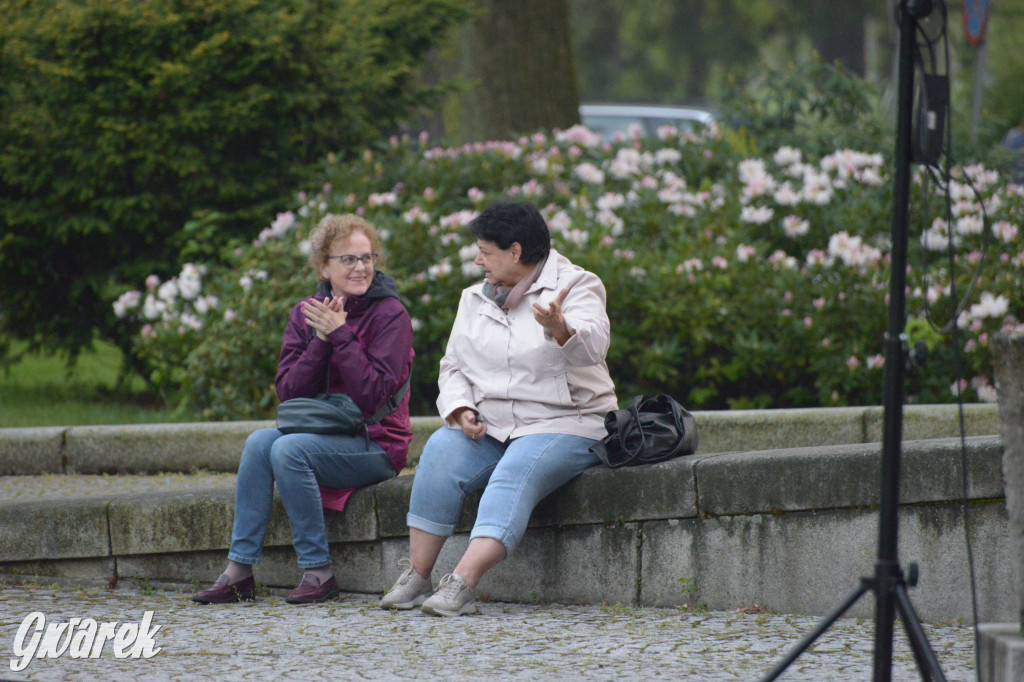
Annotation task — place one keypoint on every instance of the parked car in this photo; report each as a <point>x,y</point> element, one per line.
<point>608,119</point>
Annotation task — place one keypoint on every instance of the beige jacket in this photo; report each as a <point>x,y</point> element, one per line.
<point>518,378</point>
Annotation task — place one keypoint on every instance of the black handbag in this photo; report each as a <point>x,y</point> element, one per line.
<point>649,430</point>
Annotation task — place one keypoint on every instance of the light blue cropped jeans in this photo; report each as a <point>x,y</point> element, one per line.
<point>515,475</point>
<point>298,462</point>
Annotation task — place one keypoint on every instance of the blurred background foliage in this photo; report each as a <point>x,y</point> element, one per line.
<point>135,138</point>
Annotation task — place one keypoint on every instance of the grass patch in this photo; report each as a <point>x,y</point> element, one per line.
<point>41,390</point>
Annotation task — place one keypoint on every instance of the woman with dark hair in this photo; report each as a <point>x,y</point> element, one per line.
<point>354,337</point>
<point>524,389</point>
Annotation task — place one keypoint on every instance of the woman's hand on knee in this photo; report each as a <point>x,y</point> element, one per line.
<point>471,424</point>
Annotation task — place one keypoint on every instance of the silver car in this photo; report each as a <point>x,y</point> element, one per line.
<point>609,119</point>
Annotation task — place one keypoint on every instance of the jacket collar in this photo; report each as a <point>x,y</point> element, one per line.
<point>382,286</point>
<point>547,279</point>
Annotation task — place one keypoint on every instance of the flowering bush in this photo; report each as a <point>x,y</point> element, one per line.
<point>733,282</point>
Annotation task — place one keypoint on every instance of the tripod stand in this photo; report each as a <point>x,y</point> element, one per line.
<point>889,583</point>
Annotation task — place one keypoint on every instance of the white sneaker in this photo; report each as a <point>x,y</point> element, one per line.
<point>454,597</point>
<point>409,591</point>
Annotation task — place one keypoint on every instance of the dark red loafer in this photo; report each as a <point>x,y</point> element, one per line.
<point>222,593</point>
<point>312,591</point>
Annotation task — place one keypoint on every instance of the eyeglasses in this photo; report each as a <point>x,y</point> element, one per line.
<point>349,261</point>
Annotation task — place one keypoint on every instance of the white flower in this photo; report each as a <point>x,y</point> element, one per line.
<point>168,291</point>
<point>628,162</point>
<point>1005,231</point>
<point>153,308</point>
<point>580,135</point>
<point>852,251</point>
<point>794,226</point>
<point>539,164</point>
<point>970,224</point>
<point>439,270</point>
<point>987,394</point>
<point>758,215</point>
<point>691,265</point>
<point>610,201</point>
<point>417,215</point>
<point>190,321</point>
<point>189,282</point>
<point>667,155</point>
<point>283,223</point>
<point>458,219</point>
<point>611,221</point>
<point>989,306</point>
<point>382,199</point>
<point>787,156</point>
<point>129,300</point>
<point>589,173</point>
<point>785,195</point>
<point>936,237</point>
<point>560,221</point>
<point>744,252</point>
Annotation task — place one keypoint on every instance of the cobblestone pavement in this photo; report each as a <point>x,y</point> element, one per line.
<point>353,639</point>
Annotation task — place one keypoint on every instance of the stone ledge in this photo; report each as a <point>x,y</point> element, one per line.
<point>1001,651</point>
<point>215,446</point>
<point>707,529</point>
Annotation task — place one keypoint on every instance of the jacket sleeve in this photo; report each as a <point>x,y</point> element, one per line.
<point>302,365</point>
<point>455,390</point>
<point>586,316</point>
<point>371,375</point>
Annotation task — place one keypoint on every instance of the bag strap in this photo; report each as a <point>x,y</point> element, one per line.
<point>393,402</point>
<point>624,421</point>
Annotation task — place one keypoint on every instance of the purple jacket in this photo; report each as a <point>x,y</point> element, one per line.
<point>370,358</point>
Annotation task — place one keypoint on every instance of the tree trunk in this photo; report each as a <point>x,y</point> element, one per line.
<point>516,59</point>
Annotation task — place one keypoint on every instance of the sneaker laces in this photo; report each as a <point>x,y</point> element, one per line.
<point>450,586</point>
<point>408,572</point>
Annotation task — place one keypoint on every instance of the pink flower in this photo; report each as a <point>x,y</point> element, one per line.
<point>852,362</point>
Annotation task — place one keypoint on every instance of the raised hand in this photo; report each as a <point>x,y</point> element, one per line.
<point>550,317</point>
<point>326,316</point>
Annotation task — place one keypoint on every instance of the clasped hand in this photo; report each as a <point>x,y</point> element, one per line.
<point>325,316</point>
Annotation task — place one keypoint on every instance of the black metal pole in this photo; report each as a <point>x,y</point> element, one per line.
<point>887,569</point>
<point>888,583</point>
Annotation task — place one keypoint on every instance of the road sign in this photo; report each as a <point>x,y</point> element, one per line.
<point>976,21</point>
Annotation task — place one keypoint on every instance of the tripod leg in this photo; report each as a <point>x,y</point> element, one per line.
<point>927,663</point>
<point>823,625</point>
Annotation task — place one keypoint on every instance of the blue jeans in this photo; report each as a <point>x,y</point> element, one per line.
<point>298,462</point>
<point>515,475</point>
